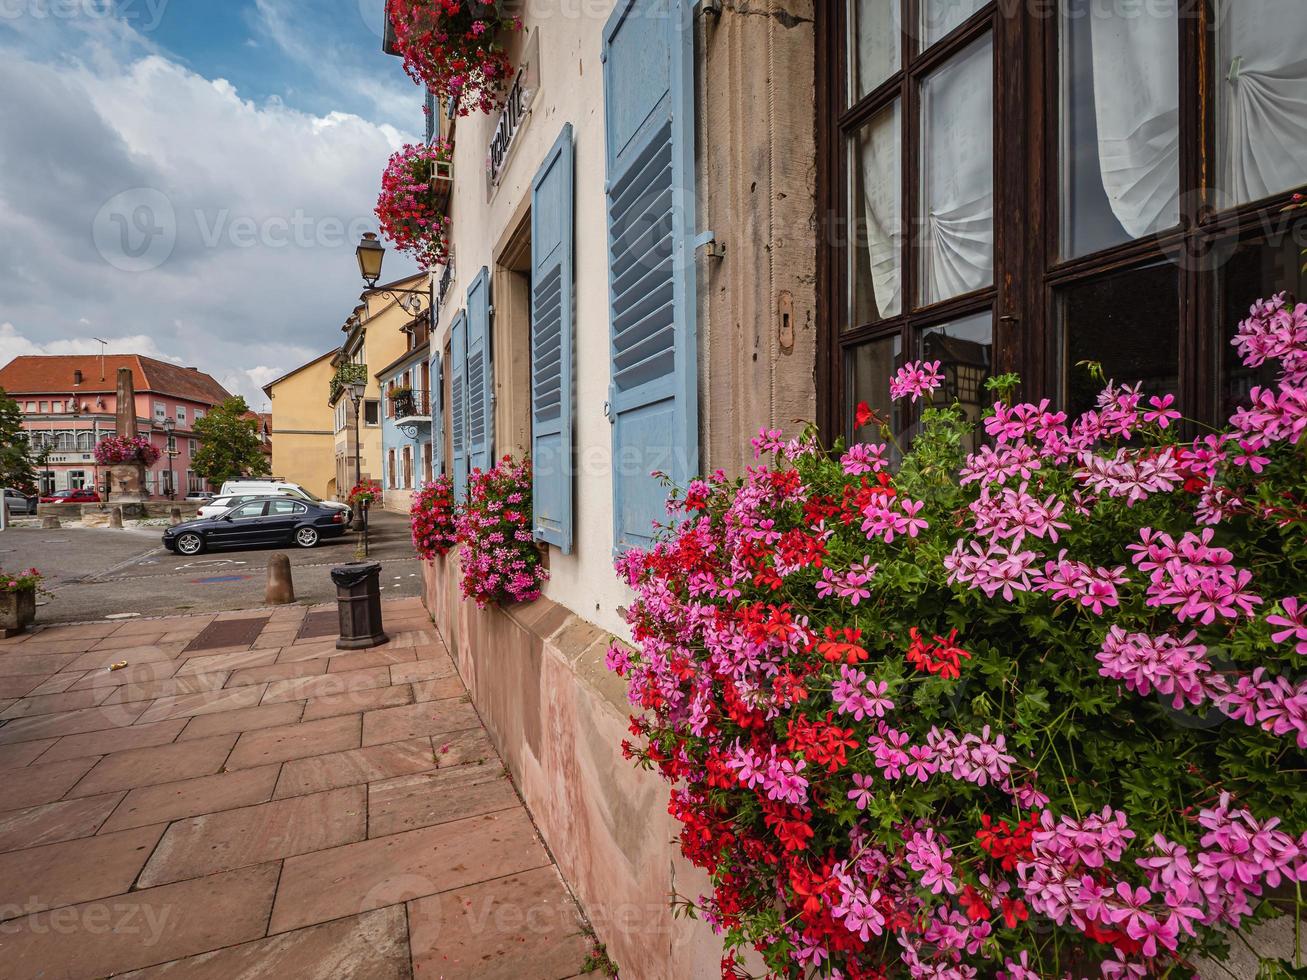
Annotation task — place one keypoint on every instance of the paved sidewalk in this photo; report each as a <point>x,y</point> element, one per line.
<point>241,800</point>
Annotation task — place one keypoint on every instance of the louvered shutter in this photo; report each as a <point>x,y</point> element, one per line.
<point>480,376</point>
<point>437,396</point>
<point>458,402</point>
<point>653,396</point>
<point>551,343</point>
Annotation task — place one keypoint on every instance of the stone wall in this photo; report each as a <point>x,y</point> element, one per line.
<point>536,674</point>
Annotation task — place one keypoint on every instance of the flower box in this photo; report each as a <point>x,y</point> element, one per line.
<point>17,611</point>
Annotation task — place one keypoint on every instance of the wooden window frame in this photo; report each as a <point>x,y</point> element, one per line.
<point>1027,205</point>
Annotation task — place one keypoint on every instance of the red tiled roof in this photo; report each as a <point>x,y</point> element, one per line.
<point>34,374</point>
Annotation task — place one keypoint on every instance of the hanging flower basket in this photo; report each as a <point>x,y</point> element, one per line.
<point>498,555</point>
<point>364,494</point>
<point>119,450</point>
<point>1034,712</point>
<point>452,47</point>
<point>432,518</point>
<point>414,201</point>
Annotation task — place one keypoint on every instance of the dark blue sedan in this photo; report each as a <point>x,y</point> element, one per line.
<point>262,521</point>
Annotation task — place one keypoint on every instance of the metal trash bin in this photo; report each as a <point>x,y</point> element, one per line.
<point>358,598</point>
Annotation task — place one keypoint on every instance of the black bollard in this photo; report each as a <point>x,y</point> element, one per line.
<point>358,597</point>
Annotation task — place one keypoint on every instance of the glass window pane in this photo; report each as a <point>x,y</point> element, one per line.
<point>1261,96</point>
<point>965,351</point>
<point>1128,322</point>
<point>957,172</point>
<point>939,17</point>
<point>1252,271</point>
<point>870,367</point>
<point>876,247</point>
<point>1120,138</point>
<point>874,35</point>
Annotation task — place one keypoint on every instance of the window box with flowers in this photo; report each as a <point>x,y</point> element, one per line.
<point>498,556</point>
<point>401,400</point>
<point>413,207</point>
<point>1036,711</point>
<point>453,47</point>
<point>18,601</point>
<point>432,518</point>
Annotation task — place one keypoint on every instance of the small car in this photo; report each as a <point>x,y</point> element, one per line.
<point>220,505</point>
<point>199,495</point>
<point>255,522</point>
<point>73,495</point>
<point>262,488</point>
<point>18,502</point>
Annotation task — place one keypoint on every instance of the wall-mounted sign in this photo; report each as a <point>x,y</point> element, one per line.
<point>517,106</point>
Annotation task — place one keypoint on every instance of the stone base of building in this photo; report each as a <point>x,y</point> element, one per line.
<point>557,716</point>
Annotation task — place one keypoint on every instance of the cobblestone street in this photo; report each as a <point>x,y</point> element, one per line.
<point>94,572</point>
<point>240,800</point>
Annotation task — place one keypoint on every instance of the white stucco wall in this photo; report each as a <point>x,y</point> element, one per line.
<point>570,90</point>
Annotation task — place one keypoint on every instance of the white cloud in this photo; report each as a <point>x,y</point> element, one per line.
<point>144,203</point>
<point>14,344</point>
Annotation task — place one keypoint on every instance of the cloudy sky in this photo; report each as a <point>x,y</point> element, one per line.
<point>188,178</point>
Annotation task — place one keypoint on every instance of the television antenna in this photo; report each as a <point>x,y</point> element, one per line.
<point>103,344</point>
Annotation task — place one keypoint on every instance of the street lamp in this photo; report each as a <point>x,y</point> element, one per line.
<point>370,254</point>
<point>171,451</point>
<point>356,390</point>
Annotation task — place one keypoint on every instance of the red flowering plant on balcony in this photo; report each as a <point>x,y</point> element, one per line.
<point>411,208</point>
<point>497,552</point>
<point>453,48</point>
<point>432,518</point>
<point>117,450</point>
<point>1033,711</point>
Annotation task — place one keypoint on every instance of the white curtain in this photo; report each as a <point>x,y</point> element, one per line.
<point>1137,107</point>
<point>957,135</point>
<point>1261,79</point>
<point>876,29</point>
<point>879,162</point>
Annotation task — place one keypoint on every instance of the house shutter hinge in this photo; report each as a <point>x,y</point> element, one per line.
<point>712,248</point>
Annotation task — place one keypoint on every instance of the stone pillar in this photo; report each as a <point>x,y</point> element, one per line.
<point>757,324</point>
<point>126,480</point>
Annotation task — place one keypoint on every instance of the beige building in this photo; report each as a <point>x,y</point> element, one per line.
<point>303,434</point>
<point>376,333</point>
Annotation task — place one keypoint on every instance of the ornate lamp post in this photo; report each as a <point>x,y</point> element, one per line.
<point>169,427</point>
<point>370,254</point>
<point>357,389</point>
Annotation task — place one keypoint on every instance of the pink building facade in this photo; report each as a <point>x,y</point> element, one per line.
<point>69,404</point>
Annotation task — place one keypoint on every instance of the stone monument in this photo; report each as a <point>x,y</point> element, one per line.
<point>127,480</point>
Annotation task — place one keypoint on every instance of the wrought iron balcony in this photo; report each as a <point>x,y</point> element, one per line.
<point>409,407</point>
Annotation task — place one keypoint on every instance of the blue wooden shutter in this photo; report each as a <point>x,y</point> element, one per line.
<point>480,375</point>
<point>648,57</point>
<point>458,402</point>
<point>437,397</point>
<point>552,344</point>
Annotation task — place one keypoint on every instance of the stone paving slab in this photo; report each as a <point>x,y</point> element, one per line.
<point>373,945</point>
<point>487,931</point>
<point>275,809</point>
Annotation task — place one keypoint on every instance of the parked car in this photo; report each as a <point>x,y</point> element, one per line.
<point>281,488</point>
<point>220,505</point>
<point>18,502</point>
<point>78,495</point>
<point>199,495</point>
<point>259,521</point>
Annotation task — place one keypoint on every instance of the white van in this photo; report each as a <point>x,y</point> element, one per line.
<point>277,488</point>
